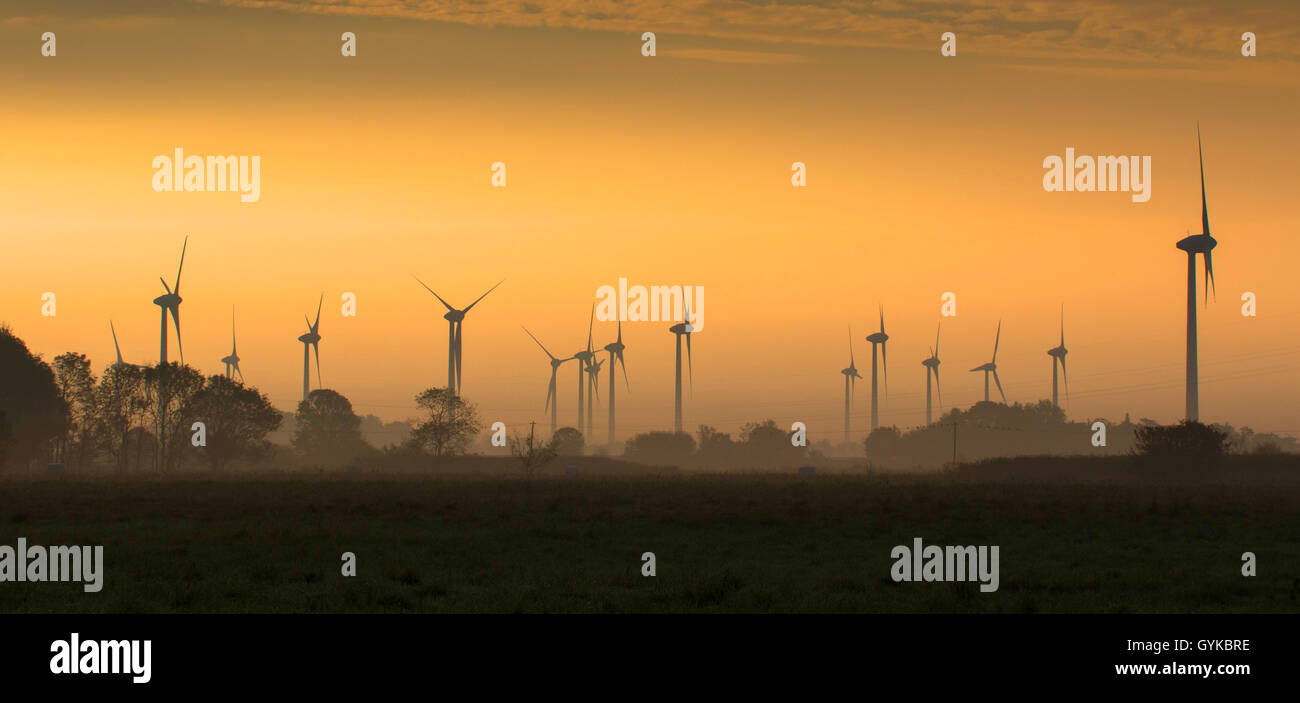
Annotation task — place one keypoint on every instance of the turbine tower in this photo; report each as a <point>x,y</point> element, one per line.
<point>615,350</point>
<point>878,338</point>
<point>851,377</point>
<point>932,368</point>
<point>1058,356</point>
<point>1195,244</point>
<point>171,302</point>
<point>682,329</point>
<point>232,361</point>
<point>584,360</point>
<point>311,341</point>
<point>992,367</point>
<point>593,391</point>
<point>552,393</point>
<point>454,320</point>
<point>168,302</point>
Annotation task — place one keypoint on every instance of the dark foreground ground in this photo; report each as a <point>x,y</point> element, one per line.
<point>734,543</point>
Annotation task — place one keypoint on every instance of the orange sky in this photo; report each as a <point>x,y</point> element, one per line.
<point>924,176</point>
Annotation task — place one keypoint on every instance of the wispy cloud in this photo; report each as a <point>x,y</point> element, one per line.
<point>1111,29</point>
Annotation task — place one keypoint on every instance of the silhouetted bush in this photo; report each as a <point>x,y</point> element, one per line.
<point>567,441</point>
<point>1186,440</point>
<point>660,448</point>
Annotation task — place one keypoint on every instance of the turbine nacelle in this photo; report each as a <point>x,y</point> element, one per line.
<point>1197,244</point>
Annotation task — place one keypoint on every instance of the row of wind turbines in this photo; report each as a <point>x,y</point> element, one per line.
<point>589,366</point>
<point>1194,244</point>
<point>931,364</point>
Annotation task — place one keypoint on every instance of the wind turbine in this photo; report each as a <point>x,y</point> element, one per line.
<point>552,393</point>
<point>615,350</point>
<point>311,341</point>
<point>1195,244</point>
<point>683,329</point>
<point>171,302</point>
<point>932,368</point>
<point>584,360</point>
<point>878,338</point>
<point>454,319</point>
<point>1058,356</point>
<point>992,367</point>
<point>851,377</point>
<point>232,361</point>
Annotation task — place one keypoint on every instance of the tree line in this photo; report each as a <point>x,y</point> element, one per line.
<point>133,418</point>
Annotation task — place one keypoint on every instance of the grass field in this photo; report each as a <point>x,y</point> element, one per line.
<point>723,543</point>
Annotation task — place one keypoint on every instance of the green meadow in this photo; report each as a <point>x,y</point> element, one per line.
<point>722,543</point>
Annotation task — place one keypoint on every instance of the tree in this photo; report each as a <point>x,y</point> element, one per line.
<point>531,453</point>
<point>326,430</point>
<point>34,412</point>
<point>766,444</point>
<point>451,423</point>
<point>171,403</point>
<point>120,405</point>
<point>567,441</point>
<point>1186,440</point>
<point>717,449</point>
<point>76,386</point>
<point>660,448</point>
<point>237,419</point>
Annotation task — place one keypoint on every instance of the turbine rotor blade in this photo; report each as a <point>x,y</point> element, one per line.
<point>439,297</point>
<point>483,296</point>
<point>115,347</point>
<point>623,363</point>
<point>1209,277</point>
<point>999,382</point>
<point>165,286</point>
<point>182,266</point>
<point>1066,377</point>
<point>530,334</point>
<point>884,364</point>
<point>316,348</point>
<point>996,340</point>
<point>938,390</point>
<point>1205,210</point>
<point>318,306</point>
<point>176,318</point>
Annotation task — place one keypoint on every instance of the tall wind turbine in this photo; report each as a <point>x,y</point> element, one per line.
<point>584,360</point>
<point>878,338</point>
<point>552,393</point>
<point>932,368</point>
<point>171,302</point>
<point>851,377</point>
<point>454,320</point>
<point>992,367</point>
<point>1058,356</point>
<point>682,329</point>
<point>1195,244</point>
<point>615,350</point>
<point>311,341</point>
<point>232,361</point>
